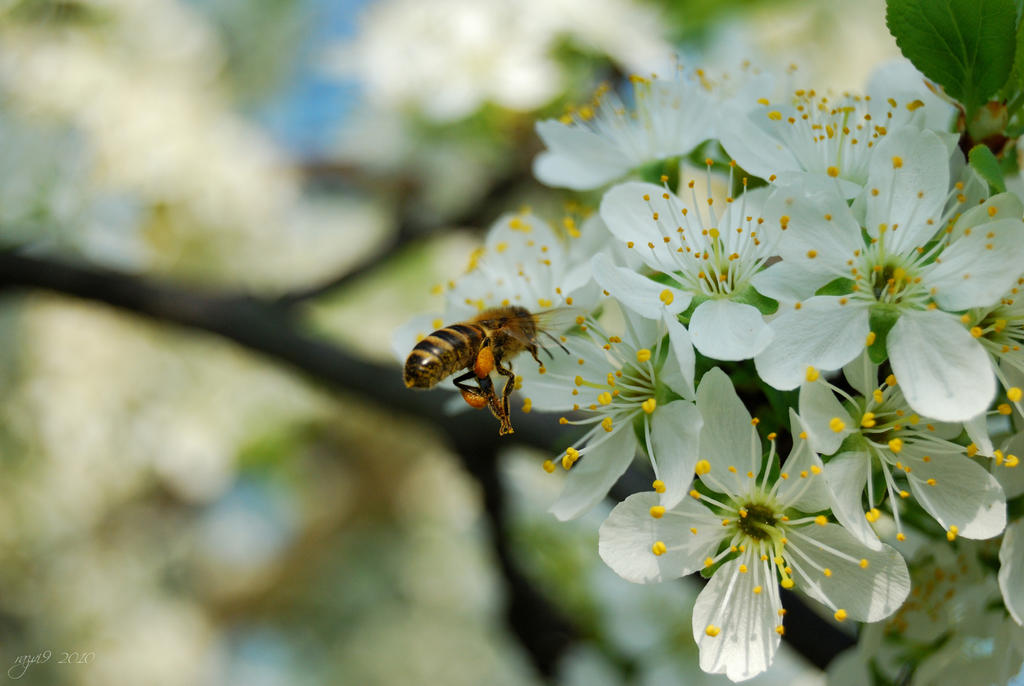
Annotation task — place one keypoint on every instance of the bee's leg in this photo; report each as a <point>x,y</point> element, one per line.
<point>475,397</point>
<point>533,351</point>
<point>506,422</point>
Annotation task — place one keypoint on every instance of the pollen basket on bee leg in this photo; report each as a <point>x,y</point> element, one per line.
<point>474,400</point>
<point>484,363</point>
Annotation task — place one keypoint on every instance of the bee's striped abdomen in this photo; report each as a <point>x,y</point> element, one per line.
<point>441,354</point>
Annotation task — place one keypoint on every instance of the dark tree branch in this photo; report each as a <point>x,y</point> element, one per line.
<point>266,327</point>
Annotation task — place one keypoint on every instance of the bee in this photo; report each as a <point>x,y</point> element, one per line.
<point>479,346</point>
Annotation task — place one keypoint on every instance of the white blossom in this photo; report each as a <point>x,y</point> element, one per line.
<point>603,140</point>
<point>877,431</point>
<point>756,534</point>
<point>895,261</point>
<point>708,260</point>
<point>635,392</point>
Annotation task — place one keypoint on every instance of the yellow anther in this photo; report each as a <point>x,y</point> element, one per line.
<point>757,590</point>
<point>666,297</point>
<point>778,560</point>
<point>578,380</point>
<point>605,398</point>
<point>870,340</point>
<point>864,563</point>
<point>815,469</point>
<point>891,380</point>
<point>694,493</point>
<point>977,331</point>
<point>872,515</point>
<point>659,548</point>
<point>657,511</point>
<point>1011,461</point>
<point>659,486</point>
<point>702,467</point>
<point>821,520</point>
<point>780,630</point>
<point>833,171</point>
<point>897,161</point>
<point>931,482</point>
<point>708,562</point>
<point>812,374</point>
<point>606,424</point>
<point>643,355</point>
<point>1004,408</point>
<point>867,420</point>
<point>549,466</point>
<point>712,630</point>
<point>877,396</point>
<point>527,405</point>
<point>827,571</point>
<point>836,424</point>
<point>743,512</point>
<point>775,115</point>
<point>896,444</point>
<point>787,583</point>
<point>567,462</point>
<point>649,405</point>
<point>952,532</point>
<point>743,569</point>
<point>732,469</point>
<point>1014,394</point>
<point>901,537</point>
<point>840,615</point>
<point>904,494</point>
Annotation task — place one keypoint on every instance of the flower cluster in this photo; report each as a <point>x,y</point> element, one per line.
<point>842,263</point>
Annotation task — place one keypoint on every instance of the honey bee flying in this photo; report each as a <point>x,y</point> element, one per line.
<point>480,346</point>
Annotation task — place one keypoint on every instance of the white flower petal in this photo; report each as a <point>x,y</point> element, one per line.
<point>675,429</point>
<point>805,488</point>
<point>977,269</point>
<point>680,367</point>
<point>910,170</point>
<point>821,334</point>
<point>942,370</point>
<point>746,641</point>
<point>868,593</point>
<point>630,532</point>
<point>637,292</point>
<point>977,431</point>
<point>728,438</point>
<point>1012,478</point>
<point>819,408</point>
<point>961,494</point>
<point>862,374</point>
<point>847,475</point>
<point>898,78</point>
<point>576,158</point>
<point>630,218</point>
<point>755,145</point>
<point>1011,570</point>
<point>789,282</point>
<point>725,330</point>
<point>821,233</point>
<point>590,478</point>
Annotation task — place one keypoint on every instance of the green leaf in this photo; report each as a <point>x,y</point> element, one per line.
<point>986,164</point>
<point>966,46</point>
<point>838,286</point>
<point>1016,81</point>
<point>881,320</point>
